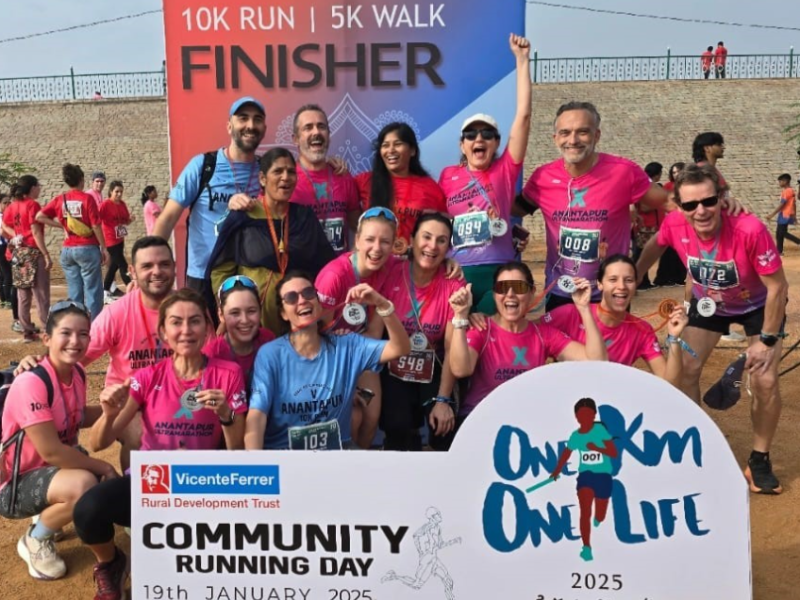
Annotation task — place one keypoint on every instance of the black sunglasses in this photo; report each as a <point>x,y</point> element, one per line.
<point>292,298</point>
<point>693,204</point>
<point>487,134</point>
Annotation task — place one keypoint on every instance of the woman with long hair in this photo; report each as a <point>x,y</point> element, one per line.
<point>187,388</point>
<point>399,182</point>
<point>480,190</point>
<point>275,237</point>
<point>627,338</point>
<point>114,219</point>
<point>304,382</point>
<point>31,261</point>
<point>150,208</point>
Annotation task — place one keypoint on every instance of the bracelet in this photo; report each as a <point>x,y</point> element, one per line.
<point>671,339</point>
<point>229,421</point>
<point>438,400</point>
<point>460,323</point>
<point>387,311</point>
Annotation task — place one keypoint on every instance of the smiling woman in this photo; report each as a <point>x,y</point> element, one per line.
<point>272,238</point>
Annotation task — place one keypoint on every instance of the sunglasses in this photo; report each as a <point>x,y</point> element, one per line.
<point>378,211</point>
<point>487,134</point>
<point>67,304</point>
<point>693,204</point>
<point>518,286</point>
<point>292,298</point>
<point>237,280</point>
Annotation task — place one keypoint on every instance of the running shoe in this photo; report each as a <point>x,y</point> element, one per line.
<point>110,577</point>
<point>59,533</point>
<point>17,326</point>
<point>760,476</point>
<point>586,553</point>
<point>29,338</point>
<point>733,336</point>
<point>41,557</point>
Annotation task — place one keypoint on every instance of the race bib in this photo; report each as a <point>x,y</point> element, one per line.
<point>120,231</point>
<point>471,229</point>
<point>582,245</point>
<point>320,436</point>
<point>712,274</point>
<point>591,458</point>
<point>334,231</point>
<point>417,366</point>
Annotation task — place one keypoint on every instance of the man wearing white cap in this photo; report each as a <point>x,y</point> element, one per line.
<point>209,181</point>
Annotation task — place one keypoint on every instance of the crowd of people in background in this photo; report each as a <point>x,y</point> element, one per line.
<point>330,312</point>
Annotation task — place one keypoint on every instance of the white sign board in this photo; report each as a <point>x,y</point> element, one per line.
<point>482,521</point>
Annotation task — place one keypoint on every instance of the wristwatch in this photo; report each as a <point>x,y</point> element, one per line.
<point>768,339</point>
<point>460,323</point>
<point>229,421</point>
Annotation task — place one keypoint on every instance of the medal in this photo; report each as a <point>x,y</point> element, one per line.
<point>354,314</point>
<point>189,401</point>
<point>498,227</point>
<point>400,246</point>
<point>566,284</point>
<point>666,307</point>
<point>706,307</point>
<point>418,341</point>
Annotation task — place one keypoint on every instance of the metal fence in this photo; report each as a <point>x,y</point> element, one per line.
<point>543,70</point>
<point>83,87</point>
<point>660,68</point>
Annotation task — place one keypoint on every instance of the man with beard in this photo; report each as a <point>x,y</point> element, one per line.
<point>585,198</point>
<point>334,197</point>
<point>127,330</point>
<point>234,173</point>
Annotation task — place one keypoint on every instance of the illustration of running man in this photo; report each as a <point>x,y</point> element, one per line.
<point>428,540</point>
<point>596,448</point>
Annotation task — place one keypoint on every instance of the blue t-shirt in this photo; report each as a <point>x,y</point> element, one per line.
<point>296,391</point>
<point>591,460</point>
<point>208,211</point>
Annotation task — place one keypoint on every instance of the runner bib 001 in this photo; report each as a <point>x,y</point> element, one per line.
<point>582,245</point>
<point>591,458</point>
<point>416,367</point>
<point>320,436</point>
<point>334,231</point>
<point>471,229</point>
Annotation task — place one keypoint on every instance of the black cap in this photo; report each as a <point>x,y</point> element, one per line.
<point>726,392</point>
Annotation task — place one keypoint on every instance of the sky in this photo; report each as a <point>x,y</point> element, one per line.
<point>138,44</point>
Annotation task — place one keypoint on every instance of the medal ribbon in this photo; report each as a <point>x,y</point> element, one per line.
<point>329,201</point>
<point>253,173</point>
<point>282,247</point>
<point>474,182</point>
<point>153,347</point>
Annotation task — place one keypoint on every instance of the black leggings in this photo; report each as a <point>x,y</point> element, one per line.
<point>118,263</point>
<point>5,276</point>
<point>106,504</point>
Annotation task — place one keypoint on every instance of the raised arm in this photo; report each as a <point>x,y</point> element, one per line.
<point>520,128</point>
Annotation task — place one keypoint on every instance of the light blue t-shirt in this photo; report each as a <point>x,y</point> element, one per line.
<point>296,391</point>
<point>208,211</point>
<point>591,460</point>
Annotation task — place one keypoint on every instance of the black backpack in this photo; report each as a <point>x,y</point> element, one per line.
<point>6,379</point>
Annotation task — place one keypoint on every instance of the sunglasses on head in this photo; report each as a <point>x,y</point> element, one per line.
<point>518,286</point>
<point>66,304</point>
<point>231,282</point>
<point>487,134</point>
<point>693,204</point>
<point>292,298</point>
<point>378,211</point>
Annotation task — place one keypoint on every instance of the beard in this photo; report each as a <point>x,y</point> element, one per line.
<point>574,159</point>
<point>246,145</point>
<point>314,155</point>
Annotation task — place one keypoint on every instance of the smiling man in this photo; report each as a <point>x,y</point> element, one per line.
<point>233,172</point>
<point>737,277</point>
<point>333,196</point>
<point>585,199</point>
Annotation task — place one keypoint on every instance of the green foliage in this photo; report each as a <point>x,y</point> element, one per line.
<point>11,169</point>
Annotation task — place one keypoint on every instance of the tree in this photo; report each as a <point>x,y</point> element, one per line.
<point>10,169</point>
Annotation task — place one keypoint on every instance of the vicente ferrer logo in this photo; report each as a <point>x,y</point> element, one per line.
<point>261,480</point>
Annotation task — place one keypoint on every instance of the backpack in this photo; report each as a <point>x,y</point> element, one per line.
<point>6,379</point>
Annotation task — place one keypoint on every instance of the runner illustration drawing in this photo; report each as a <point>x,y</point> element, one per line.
<point>596,448</point>
<point>428,540</point>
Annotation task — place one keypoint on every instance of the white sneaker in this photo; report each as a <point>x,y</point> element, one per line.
<point>108,297</point>
<point>733,336</point>
<point>41,557</point>
<point>58,535</point>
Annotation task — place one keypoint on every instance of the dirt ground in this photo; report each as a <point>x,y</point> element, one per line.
<point>775,521</point>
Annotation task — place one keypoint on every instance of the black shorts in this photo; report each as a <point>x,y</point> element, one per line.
<point>31,494</point>
<point>753,321</point>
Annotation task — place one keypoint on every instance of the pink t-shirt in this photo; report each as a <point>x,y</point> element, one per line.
<point>98,197</point>
<point>431,302</point>
<point>587,218</point>
<point>468,190</point>
<point>632,339</point>
<point>331,196</point>
<point>127,331</point>
<point>727,268</point>
<point>151,212</point>
<point>220,348</point>
<point>166,422</point>
<point>26,405</point>
<point>502,355</point>
<point>339,275</point>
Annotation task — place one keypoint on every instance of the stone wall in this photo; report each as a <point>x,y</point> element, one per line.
<point>644,121</point>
